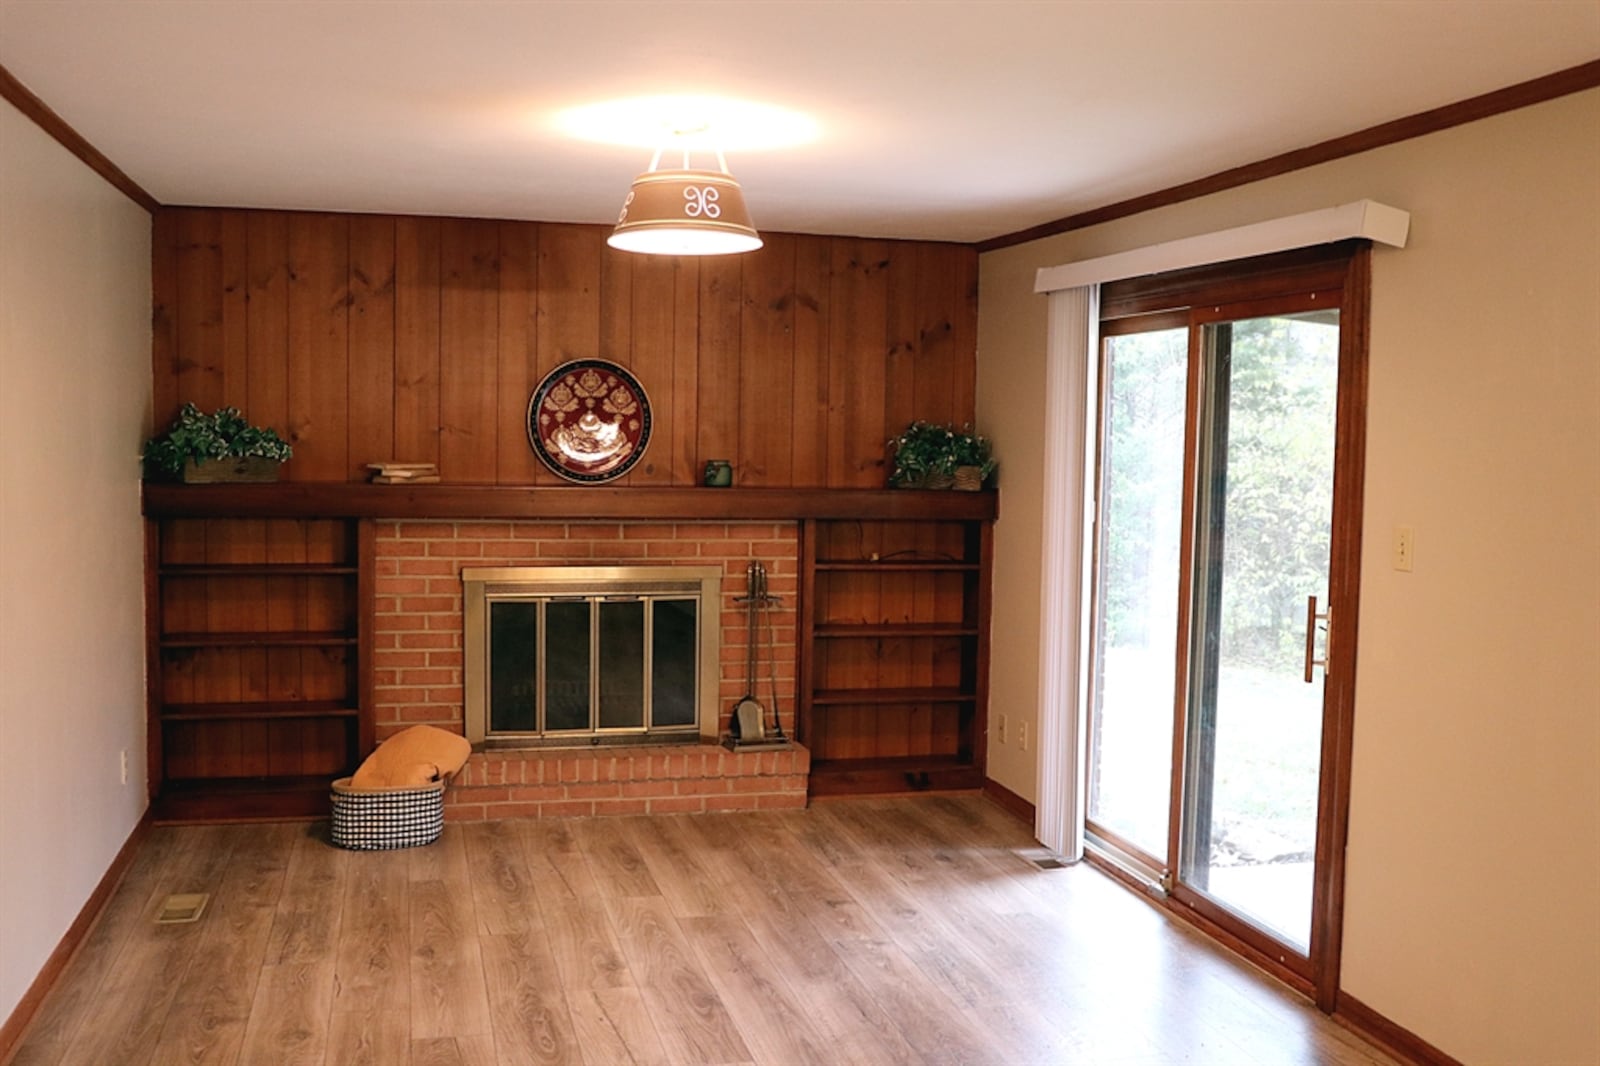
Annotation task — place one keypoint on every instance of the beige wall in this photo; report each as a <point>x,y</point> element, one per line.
<point>74,403</point>
<point>1473,888</point>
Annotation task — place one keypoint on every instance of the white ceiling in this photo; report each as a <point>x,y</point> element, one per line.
<point>955,121</point>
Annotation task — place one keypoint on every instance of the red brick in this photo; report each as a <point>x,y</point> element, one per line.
<point>429,568</point>
<point>677,805</point>
<point>753,530</point>
<point>539,793</point>
<point>396,586</point>
<point>565,549</point>
<point>429,604</point>
<point>413,715</point>
<point>396,659</point>
<point>647,531</point>
<point>388,694</point>
<point>486,794</point>
<point>616,807</point>
<point>454,548</point>
<point>483,530</point>
<point>511,553</point>
<point>566,809</point>
<point>752,784</point>
<point>539,531</point>
<point>445,658</point>
<point>595,531</point>
<point>648,788</point>
<point>702,786</point>
<point>672,548</point>
<point>466,812</point>
<point>598,790</point>
<point>781,800</point>
<point>732,803</point>
<point>427,677</point>
<point>623,550</point>
<point>423,530</point>
<point>727,549</point>
<point>428,640</point>
<point>450,622</point>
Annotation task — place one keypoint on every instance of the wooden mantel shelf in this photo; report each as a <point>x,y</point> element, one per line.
<point>564,503</point>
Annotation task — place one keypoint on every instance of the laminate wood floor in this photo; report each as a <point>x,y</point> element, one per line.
<point>866,931</point>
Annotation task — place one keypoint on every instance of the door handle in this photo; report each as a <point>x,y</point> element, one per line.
<point>1311,637</point>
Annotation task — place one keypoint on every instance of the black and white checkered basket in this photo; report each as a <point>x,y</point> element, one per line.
<point>381,819</point>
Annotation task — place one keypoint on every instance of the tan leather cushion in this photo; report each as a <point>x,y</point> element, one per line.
<point>413,757</point>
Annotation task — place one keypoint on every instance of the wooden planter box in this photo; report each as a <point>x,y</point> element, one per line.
<point>252,468</point>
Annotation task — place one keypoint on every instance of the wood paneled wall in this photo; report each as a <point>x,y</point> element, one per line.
<point>366,337</point>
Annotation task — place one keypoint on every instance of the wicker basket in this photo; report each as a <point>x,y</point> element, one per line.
<point>383,819</point>
<point>969,478</point>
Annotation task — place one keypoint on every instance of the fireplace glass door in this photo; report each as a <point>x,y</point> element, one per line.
<point>569,666</point>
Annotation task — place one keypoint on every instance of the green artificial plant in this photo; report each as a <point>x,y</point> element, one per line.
<point>199,436</point>
<point>927,449</point>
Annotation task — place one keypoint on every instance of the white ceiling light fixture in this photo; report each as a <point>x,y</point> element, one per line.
<point>682,211</point>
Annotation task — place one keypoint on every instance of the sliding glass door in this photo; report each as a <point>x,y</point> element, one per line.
<point>1263,527</point>
<point>1223,431</point>
<point>1144,389</point>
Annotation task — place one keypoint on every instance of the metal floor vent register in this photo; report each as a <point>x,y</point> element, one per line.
<point>1043,858</point>
<point>183,908</point>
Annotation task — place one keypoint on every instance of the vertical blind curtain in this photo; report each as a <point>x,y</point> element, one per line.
<point>1070,409</point>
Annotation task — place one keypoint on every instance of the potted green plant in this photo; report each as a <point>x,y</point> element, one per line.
<point>932,456</point>
<point>198,447</point>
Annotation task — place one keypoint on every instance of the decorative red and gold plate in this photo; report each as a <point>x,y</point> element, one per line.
<point>589,420</point>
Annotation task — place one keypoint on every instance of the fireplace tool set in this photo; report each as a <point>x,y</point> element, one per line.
<point>748,726</point>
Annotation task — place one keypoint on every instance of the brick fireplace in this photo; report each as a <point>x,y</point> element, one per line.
<point>419,660</point>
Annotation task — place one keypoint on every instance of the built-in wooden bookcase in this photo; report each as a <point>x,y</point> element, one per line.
<point>894,651</point>
<point>257,663</point>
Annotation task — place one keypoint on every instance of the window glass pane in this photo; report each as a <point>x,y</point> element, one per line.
<point>622,665</point>
<point>566,666</point>
<point>1265,529</point>
<point>513,659</point>
<point>673,674</point>
<point>1141,502</point>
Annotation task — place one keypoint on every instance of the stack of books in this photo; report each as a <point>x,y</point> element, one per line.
<point>404,473</point>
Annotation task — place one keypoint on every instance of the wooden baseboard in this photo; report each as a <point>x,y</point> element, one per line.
<point>11,1032</point>
<point>1008,801</point>
<point>1399,1041</point>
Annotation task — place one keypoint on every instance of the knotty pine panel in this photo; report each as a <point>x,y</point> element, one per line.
<point>416,351</point>
<point>370,426</point>
<point>517,351</point>
<point>651,355</point>
<point>364,338</point>
<point>857,363</point>
<point>469,352</point>
<point>809,444</point>
<point>766,379</point>
<point>319,348</point>
<point>266,320</point>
